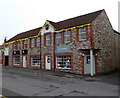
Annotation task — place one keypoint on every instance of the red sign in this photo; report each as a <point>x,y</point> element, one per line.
<point>0,61</point>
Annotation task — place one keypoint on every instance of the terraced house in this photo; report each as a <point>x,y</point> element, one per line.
<point>82,45</point>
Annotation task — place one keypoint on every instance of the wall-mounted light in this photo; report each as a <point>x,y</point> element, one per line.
<point>83,54</point>
<point>96,54</point>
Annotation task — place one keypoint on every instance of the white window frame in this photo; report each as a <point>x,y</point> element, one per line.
<point>25,44</point>
<point>81,32</point>
<point>63,63</point>
<point>15,45</point>
<point>58,38</point>
<point>35,60</point>
<point>32,42</point>
<point>38,41</point>
<point>66,36</point>
<point>16,61</point>
<point>47,39</point>
<point>19,44</point>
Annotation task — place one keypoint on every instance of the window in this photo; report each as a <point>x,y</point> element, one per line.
<point>63,61</point>
<point>19,45</point>
<point>16,60</point>
<point>35,61</point>
<point>88,59</point>
<point>38,42</point>
<point>15,45</point>
<point>25,44</point>
<point>82,33</point>
<point>32,42</point>
<point>10,46</point>
<point>6,48</point>
<point>47,39</point>
<point>67,36</point>
<point>58,38</point>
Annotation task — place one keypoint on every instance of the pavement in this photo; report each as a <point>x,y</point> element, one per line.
<point>37,82</point>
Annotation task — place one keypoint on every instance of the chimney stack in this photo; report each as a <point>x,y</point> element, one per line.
<point>5,40</point>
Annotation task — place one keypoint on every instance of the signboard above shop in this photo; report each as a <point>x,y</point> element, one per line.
<point>62,49</point>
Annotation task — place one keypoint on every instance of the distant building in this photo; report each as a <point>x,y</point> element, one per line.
<point>85,44</point>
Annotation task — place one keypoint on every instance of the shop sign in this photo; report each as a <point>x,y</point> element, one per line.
<point>62,49</point>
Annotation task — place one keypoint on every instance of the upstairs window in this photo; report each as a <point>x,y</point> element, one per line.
<point>7,47</point>
<point>38,42</point>
<point>15,45</point>
<point>58,38</point>
<point>67,36</point>
<point>82,33</point>
<point>47,39</point>
<point>19,45</point>
<point>25,44</point>
<point>32,42</point>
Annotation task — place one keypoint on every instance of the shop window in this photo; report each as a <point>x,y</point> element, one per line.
<point>47,39</point>
<point>16,60</point>
<point>58,38</point>
<point>32,42</point>
<point>38,42</point>
<point>35,60</point>
<point>67,36</point>
<point>82,33</point>
<point>63,61</point>
<point>25,44</point>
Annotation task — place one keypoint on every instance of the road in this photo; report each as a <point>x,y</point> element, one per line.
<point>24,82</point>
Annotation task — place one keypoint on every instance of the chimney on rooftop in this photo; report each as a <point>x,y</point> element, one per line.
<point>5,40</point>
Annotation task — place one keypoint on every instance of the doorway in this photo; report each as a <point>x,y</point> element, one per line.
<point>24,61</point>
<point>48,62</point>
<point>87,64</point>
<point>6,60</point>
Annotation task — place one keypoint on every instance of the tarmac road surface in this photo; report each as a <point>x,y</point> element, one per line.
<point>24,82</point>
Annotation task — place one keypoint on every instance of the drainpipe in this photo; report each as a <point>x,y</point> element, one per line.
<point>91,60</point>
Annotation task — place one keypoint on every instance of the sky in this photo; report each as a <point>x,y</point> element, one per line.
<point>17,16</point>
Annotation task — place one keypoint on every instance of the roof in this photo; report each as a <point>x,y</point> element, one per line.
<point>26,34</point>
<point>116,32</point>
<point>76,21</point>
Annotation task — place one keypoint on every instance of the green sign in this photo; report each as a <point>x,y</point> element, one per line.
<point>62,49</point>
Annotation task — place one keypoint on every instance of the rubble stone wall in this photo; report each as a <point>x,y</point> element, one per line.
<point>104,41</point>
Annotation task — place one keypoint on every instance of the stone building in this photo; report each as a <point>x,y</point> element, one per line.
<point>82,45</point>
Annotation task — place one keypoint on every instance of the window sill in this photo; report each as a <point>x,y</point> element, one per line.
<point>47,45</point>
<point>82,40</point>
<point>35,66</point>
<point>64,68</point>
<point>16,64</point>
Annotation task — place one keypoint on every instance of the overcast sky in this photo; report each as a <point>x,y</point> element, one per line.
<point>17,16</point>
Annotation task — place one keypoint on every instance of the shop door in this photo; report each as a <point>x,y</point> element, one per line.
<point>48,61</point>
<point>25,61</point>
<point>87,66</point>
<point>6,60</point>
